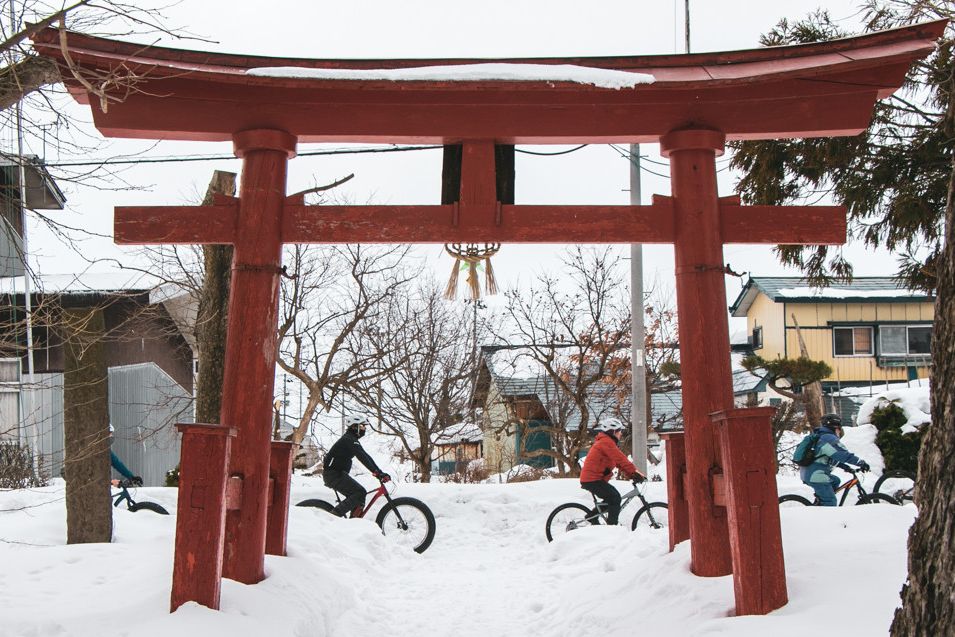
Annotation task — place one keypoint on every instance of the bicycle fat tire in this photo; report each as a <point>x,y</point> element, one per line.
<point>897,474</point>
<point>585,513</point>
<point>653,515</point>
<point>791,499</point>
<point>318,504</point>
<point>149,506</point>
<point>877,498</point>
<point>412,512</point>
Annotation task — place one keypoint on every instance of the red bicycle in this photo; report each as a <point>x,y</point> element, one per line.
<point>408,521</point>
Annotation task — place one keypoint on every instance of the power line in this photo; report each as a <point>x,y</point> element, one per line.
<point>562,152</point>
<point>189,158</point>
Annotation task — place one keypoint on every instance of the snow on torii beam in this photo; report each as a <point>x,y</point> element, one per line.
<point>821,89</point>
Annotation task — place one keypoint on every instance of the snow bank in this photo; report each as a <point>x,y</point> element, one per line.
<point>490,571</point>
<point>914,401</point>
<point>603,78</point>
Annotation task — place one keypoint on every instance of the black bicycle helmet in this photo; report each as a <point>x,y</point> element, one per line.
<point>831,421</point>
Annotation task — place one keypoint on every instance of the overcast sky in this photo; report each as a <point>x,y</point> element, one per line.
<point>436,28</point>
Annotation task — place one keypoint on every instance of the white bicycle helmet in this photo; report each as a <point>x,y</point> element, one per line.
<point>606,425</point>
<point>354,420</point>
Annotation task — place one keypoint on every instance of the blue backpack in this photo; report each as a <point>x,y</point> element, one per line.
<point>805,453</point>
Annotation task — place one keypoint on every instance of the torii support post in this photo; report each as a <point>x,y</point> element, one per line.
<point>759,573</point>
<point>280,477</point>
<point>249,377</point>
<point>704,334</point>
<point>679,527</point>
<point>200,514</point>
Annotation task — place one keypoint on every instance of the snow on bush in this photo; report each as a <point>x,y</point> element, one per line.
<point>914,401</point>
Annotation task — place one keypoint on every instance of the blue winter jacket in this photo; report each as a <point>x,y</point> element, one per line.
<point>829,452</point>
<point>117,464</point>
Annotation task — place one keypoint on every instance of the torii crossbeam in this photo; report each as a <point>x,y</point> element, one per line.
<point>725,503</point>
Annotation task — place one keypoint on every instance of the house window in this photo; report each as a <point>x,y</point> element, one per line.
<point>757,340</point>
<point>852,341</point>
<point>903,340</point>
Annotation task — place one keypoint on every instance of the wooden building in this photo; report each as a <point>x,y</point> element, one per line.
<point>869,331</point>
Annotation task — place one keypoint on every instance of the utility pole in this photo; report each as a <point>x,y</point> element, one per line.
<point>638,376</point>
<point>26,388</point>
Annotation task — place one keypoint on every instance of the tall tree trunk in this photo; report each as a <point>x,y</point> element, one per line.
<point>812,392</point>
<point>212,317</point>
<point>89,511</point>
<point>928,602</point>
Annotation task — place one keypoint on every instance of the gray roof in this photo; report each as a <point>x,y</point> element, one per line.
<point>875,289</point>
<point>603,398</point>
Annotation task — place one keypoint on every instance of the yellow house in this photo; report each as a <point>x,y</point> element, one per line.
<point>869,331</point>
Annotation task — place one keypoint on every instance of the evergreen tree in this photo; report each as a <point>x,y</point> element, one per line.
<point>898,182</point>
<point>893,178</point>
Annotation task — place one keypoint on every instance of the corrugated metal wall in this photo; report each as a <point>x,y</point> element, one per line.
<point>145,404</point>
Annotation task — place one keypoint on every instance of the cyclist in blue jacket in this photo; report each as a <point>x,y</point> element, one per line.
<point>830,452</point>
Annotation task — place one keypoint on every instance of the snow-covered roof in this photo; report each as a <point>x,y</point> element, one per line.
<point>83,283</point>
<point>499,71</point>
<point>798,290</point>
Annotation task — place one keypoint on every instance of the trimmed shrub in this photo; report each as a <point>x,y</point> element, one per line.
<point>16,468</point>
<point>899,450</point>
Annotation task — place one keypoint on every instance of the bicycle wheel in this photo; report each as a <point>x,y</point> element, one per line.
<point>652,516</point>
<point>318,504</point>
<point>877,498</point>
<point>566,518</point>
<point>793,500</point>
<point>148,506</point>
<point>409,522</point>
<point>898,483</point>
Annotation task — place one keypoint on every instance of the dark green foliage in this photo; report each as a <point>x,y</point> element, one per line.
<point>893,178</point>
<point>899,450</point>
<point>172,477</point>
<point>799,371</point>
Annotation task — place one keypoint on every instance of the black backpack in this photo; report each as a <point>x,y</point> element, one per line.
<point>805,453</point>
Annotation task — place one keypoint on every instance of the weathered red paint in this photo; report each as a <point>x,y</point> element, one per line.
<point>280,474</point>
<point>676,494</point>
<point>203,464</point>
<point>704,334</point>
<point>251,342</point>
<point>695,103</point>
<point>755,537</point>
<point>826,88</point>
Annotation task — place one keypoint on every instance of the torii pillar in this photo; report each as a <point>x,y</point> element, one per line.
<point>251,346</point>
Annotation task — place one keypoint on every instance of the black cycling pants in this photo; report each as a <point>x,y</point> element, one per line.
<point>346,485</point>
<point>609,494</point>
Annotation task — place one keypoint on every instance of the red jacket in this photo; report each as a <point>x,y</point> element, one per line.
<point>602,458</point>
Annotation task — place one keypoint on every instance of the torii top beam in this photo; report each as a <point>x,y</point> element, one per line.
<point>808,90</point>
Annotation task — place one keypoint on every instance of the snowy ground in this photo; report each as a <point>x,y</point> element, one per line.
<point>490,571</point>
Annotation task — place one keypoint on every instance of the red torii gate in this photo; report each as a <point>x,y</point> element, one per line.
<point>233,501</point>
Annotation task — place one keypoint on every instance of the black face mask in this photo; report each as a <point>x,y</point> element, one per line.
<point>359,431</point>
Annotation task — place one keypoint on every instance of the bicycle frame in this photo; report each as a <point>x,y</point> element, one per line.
<point>378,492</point>
<point>634,494</point>
<point>123,495</point>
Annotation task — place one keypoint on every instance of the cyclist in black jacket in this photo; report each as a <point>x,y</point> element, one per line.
<point>337,464</point>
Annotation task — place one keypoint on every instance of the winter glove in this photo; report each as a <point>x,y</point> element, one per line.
<point>136,481</point>
<point>864,466</point>
<point>384,477</point>
<point>637,478</point>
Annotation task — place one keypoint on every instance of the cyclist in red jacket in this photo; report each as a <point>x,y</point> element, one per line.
<point>601,460</point>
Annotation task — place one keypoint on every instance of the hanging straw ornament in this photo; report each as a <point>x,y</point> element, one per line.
<point>471,256</point>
